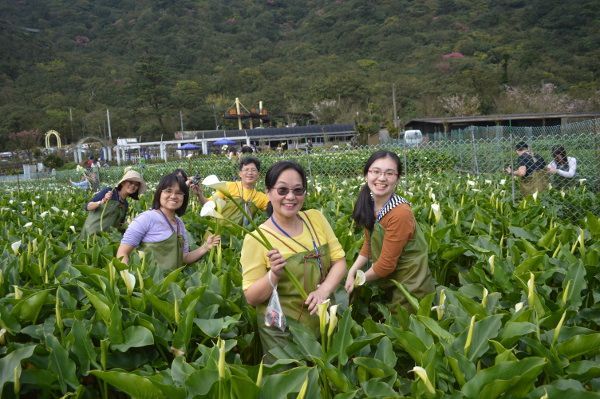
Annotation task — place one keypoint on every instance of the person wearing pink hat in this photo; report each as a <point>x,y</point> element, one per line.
<point>108,208</point>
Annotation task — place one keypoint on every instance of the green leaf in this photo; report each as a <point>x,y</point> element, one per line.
<point>305,340</point>
<point>342,338</point>
<point>385,352</point>
<point>214,327</point>
<point>576,274</point>
<point>10,365</point>
<point>100,303</point>
<point>183,334</point>
<point>282,384</point>
<point>135,337</point>
<point>583,370</point>
<point>28,309</point>
<point>59,362</point>
<point>200,382</point>
<point>514,330</point>
<point>134,385</point>
<point>512,379</point>
<point>436,329</point>
<point>162,307</point>
<point>547,240</point>
<point>579,345</point>
<point>82,346</point>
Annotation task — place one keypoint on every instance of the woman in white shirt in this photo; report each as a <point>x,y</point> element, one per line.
<point>562,165</point>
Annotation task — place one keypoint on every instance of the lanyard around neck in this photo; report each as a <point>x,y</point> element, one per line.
<point>312,238</point>
<point>169,223</point>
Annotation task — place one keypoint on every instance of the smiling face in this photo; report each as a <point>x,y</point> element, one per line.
<point>382,178</point>
<point>130,187</point>
<point>287,206</point>
<point>249,175</point>
<point>171,198</point>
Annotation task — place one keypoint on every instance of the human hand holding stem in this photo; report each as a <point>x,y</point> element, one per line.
<point>213,182</point>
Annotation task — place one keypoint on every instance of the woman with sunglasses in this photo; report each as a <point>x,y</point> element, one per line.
<point>161,232</point>
<point>394,246</point>
<point>305,245</point>
<point>108,208</point>
<point>244,192</point>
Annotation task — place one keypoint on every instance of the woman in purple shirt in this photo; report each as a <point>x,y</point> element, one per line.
<point>161,232</point>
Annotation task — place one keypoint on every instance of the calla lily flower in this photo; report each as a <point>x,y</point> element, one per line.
<point>129,279</point>
<point>213,182</point>
<point>470,335</point>
<point>28,224</point>
<point>333,320</point>
<point>72,228</point>
<point>15,247</point>
<point>420,371</point>
<point>437,214</point>
<point>210,209</point>
<point>518,306</point>
<point>359,278</point>
<point>323,315</point>
<point>18,292</point>
<point>221,363</point>
<point>2,339</point>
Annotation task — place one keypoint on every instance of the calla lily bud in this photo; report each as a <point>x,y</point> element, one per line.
<point>437,213</point>
<point>323,316</point>
<point>333,320</point>
<point>422,374</point>
<point>558,327</point>
<point>260,374</point>
<point>484,297</point>
<point>492,261</point>
<point>2,338</point>
<point>440,308</point>
<point>18,292</point>
<point>470,335</point>
<point>221,364</point>
<point>129,279</point>
<point>531,289</point>
<point>303,389</point>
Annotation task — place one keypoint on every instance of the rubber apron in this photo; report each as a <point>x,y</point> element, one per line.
<point>112,214</point>
<point>168,254</point>
<point>536,181</point>
<point>231,211</point>
<point>305,266</point>
<point>412,268</point>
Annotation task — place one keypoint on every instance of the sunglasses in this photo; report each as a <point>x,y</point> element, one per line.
<point>298,191</point>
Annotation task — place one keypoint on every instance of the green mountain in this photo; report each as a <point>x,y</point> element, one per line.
<point>63,63</point>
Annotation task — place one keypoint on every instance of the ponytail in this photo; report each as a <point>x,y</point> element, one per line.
<point>363,209</point>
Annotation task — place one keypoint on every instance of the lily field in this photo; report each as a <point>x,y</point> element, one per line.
<point>515,314</point>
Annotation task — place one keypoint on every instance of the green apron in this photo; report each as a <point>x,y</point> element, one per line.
<point>537,181</point>
<point>114,216</point>
<point>305,266</point>
<point>168,254</point>
<point>412,268</point>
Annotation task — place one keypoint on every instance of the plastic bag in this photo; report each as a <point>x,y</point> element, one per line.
<point>274,316</point>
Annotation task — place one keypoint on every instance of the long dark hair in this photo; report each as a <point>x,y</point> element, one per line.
<point>276,170</point>
<point>166,182</point>
<point>364,208</point>
<point>180,172</point>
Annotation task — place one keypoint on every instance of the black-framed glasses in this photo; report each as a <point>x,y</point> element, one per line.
<point>387,173</point>
<point>298,191</point>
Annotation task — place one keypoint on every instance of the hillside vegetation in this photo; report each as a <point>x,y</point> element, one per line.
<point>65,62</point>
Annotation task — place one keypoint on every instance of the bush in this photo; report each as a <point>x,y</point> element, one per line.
<point>53,161</point>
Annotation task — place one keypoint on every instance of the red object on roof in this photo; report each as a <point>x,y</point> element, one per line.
<point>453,55</point>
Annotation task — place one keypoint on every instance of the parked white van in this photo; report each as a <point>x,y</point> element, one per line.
<point>413,137</point>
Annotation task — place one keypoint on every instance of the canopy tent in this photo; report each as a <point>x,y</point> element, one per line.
<point>224,141</point>
<point>189,146</point>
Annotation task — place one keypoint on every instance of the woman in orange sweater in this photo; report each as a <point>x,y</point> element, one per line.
<point>394,246</point>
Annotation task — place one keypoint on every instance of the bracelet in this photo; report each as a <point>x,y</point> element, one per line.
<point>269,273</point>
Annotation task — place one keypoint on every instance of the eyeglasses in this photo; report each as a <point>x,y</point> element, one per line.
<point>249,170</point>
<point>133,183</point>
<point>168,192</point>
<point>298,191</point>
<point>388,173</point>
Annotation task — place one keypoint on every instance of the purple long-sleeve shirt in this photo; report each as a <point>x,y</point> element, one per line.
<point>152,226</point>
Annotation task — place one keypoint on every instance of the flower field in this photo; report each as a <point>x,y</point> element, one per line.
<point>515,313</point>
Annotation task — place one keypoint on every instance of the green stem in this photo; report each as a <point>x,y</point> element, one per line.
<point>264,241</point>
<point>102,216</point>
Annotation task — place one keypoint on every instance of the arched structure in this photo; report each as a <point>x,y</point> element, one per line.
<point>49,134</point>
<point>106,150</point>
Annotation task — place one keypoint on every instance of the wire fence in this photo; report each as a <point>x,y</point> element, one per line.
<point>477,151</point>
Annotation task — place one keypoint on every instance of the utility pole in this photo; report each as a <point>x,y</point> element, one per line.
<point>181,119</point>
<point>394,105</point>
<point>108,124</point>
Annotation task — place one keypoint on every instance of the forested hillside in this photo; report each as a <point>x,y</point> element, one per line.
<point>63,63</point>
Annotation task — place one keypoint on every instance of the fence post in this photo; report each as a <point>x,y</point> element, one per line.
<point>474,150</point>
<point>405,166</point>
<point>512,165</point>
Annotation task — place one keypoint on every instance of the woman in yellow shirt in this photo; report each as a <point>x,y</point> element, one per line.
<point>304,244</point>
<point>243,191</point>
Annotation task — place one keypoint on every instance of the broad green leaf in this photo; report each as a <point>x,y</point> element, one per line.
<point>200,382</point>
<point>10,365</point>
<point>584,370</point>
<point>579,345</point>
<point>28,309</point>
<point>59,362</point>
<point>436,329</point>
<point>547,240</point>
<point>136,386</point>
<point>305,340</point>
<point>334,375</point>
<point>82,346</point>
<point>100,304</point>
<point>385,352</point>
<point>134,337</point>
<point>378,389</point>
<point>214,327</point>
<point>512,331</point>
<point>115,327</point>
<point>407,341</point>
<point>162,307</point>
<point>576,275</point>
<point>282,384</point>
<point>342,338</point>
<point>183,334</point>
<point>376,367</point>
<point>508,378</point>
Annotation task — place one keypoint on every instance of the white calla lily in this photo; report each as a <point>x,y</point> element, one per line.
<point>28,224</point>
<point>72,228</point>
<point>209,210</point>
<point>213,182</point>
<point>15,247</point>
<point>437,213</point>
<point>422,373</point>
<point>360,278</point>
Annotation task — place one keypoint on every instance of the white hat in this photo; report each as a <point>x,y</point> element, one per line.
<point>132,175</point>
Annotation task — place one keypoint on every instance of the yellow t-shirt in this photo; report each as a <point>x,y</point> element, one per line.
<point>254,256</point>
<point>236,190</point>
